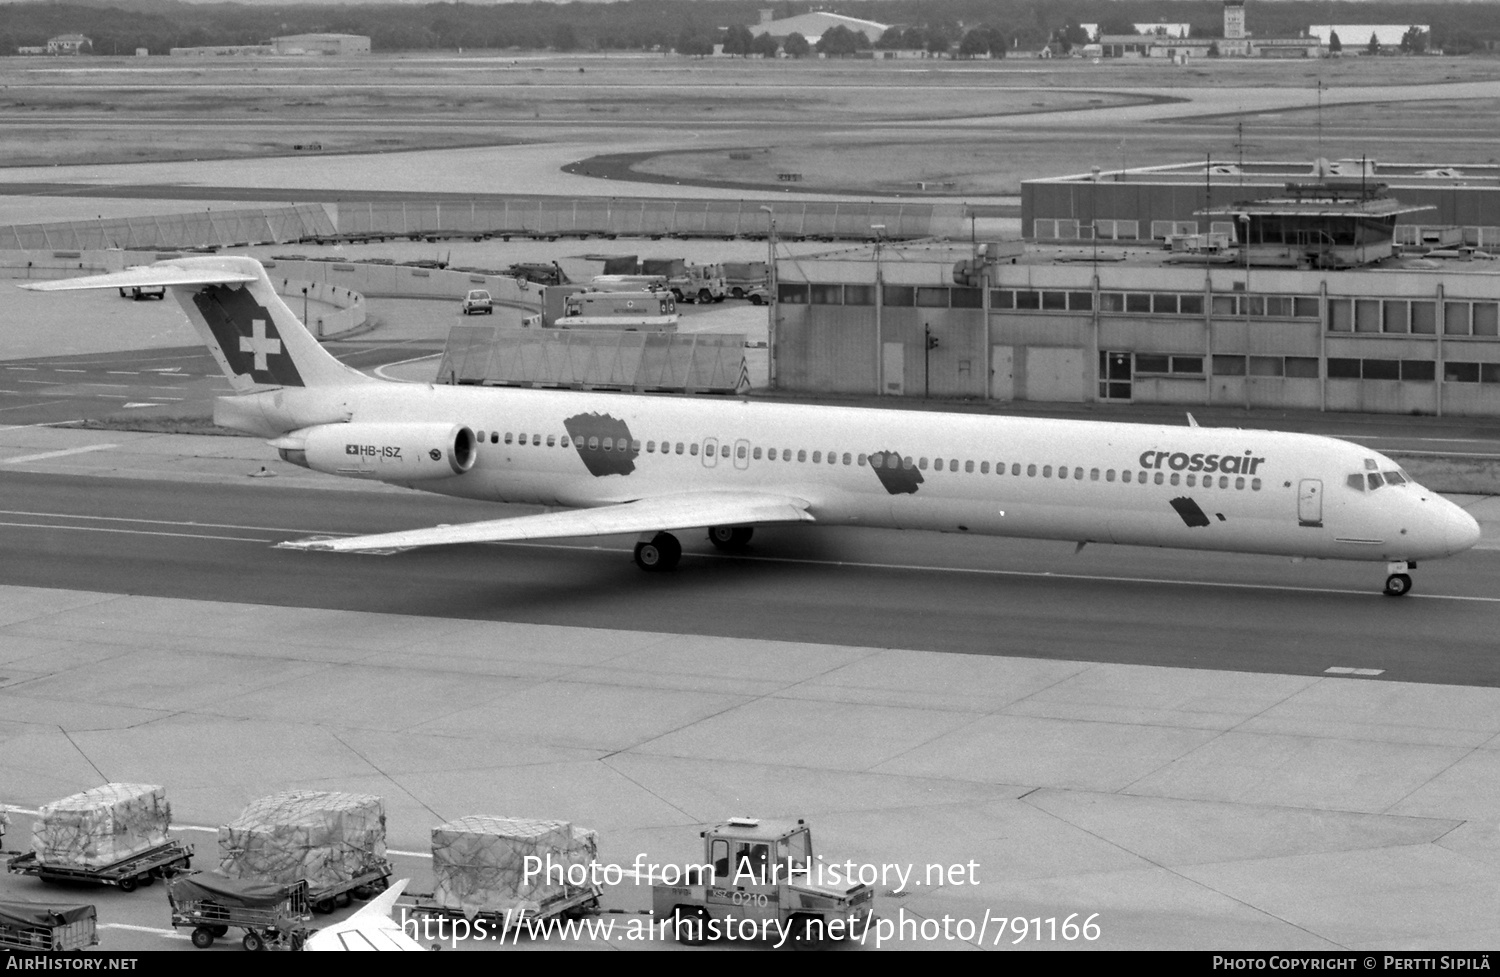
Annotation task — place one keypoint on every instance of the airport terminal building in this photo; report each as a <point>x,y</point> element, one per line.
<point>1318,308</point>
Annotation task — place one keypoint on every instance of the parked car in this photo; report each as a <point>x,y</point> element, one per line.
<point>477,301</point>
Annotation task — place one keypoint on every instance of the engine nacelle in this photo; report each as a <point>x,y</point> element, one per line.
<point>389,452</point>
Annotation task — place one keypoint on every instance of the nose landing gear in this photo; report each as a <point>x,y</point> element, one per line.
<point>1397,582</point>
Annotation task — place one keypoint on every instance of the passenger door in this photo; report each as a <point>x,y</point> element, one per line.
<point>1310,503</point>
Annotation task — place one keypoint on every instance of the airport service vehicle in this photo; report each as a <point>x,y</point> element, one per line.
<point>688,283</point>
<point>477,302</point>
<point>375,878</point>
<point>160,862</point>
<point>639,464</point>
<point>763,871</point>
<point>633,311</point>
<point>757,294</point>
<point>744,277</point>
<point>27,926</point>
<point>141,294</point>
<point>271,914</point>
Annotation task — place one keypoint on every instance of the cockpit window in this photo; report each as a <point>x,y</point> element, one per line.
<point>1357,482</point>
<point>1370,465</point>
<point>1395,478</point>
<point>1375,481</point>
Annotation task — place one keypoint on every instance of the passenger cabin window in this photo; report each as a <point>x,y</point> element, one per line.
<point>693,449</point>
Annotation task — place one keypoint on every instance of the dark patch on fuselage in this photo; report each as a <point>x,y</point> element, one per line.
<point>246,335</point>
<point>590,434</point>
<point>895,477</point>
<point>1189,511</point>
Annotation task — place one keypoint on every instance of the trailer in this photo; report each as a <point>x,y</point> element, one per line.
<point>27,926</point>
<point>573,904</point>
<point>375,878</point>
<point>272,915</point>
<point>141,869</point>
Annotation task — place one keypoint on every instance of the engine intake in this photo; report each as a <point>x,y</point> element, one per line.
<point>388,452</point>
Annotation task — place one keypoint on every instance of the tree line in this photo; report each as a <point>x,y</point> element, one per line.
<point>962,27</point>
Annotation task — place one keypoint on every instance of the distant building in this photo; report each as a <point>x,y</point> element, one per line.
<point>1160,30</point>
<point>1356,37</point>
<point>69,44</point>
<point>1237,42</point>
<point>321,44</point>
<point>813,26</point>
<point>221,50</point>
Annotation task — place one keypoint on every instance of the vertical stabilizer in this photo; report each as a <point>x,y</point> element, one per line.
<point>256,339</point>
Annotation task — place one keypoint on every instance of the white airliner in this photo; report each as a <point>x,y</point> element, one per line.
<point>653,465</point>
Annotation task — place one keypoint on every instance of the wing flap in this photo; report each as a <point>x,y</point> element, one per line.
<point>685,511</point>
<point>145,276</point>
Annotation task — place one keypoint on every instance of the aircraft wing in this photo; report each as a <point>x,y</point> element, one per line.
<point>657,514</point>
<point>145,276</point>
<point>372,928</point>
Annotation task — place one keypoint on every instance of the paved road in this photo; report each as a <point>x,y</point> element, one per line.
<point>846,587</point>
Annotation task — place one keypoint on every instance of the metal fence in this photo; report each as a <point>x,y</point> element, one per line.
<point>595,359</point>
<point>218,229</point>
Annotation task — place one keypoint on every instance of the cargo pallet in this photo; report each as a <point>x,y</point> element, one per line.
<point>578,902</point>
<point>362,886</point>
<point>160,862</point>
<point>211,920</point>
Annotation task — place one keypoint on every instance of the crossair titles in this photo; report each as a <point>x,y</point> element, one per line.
<point>1180,461</point>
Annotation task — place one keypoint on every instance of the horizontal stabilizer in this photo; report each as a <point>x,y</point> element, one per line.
<point>148,276</point>
<point>686,511</point>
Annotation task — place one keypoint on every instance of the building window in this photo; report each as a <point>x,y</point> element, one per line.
<point>898,296</point>
<point>1382,369</point>
<point>1111,302</point>
<point>1187,364</point>
<point>1424,318</point>
<point>1486,319</point>
<point>1340,315</point>
<point>1152,363</point>
<point>1055,301</point>
<point>859,294</point>
<point>1461,372</point>
<point>1366,315</point>
<point>1137,302</point>
<point>1229,366</point>
<point>827,294</point>
<point>1265,366</point>
<point>1190,304</point>
<point>1026,299</point>
<point>791,293</point>
<point>1002,298</point>
<point>1397,317</point>
<point>1302,367</point>
<point>932,298</point>
<point>1305,307</point>
<point>1081,301</point>
<point>1343,369</point>
<point>1455,318</point>
<point>1164,304</point>
<point>966,298</point>
<point>1418,370</point>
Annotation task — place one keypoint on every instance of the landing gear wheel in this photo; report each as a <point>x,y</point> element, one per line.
<point>1397,585</point>
<point>730,537</point>
<point>253,941</point>
<point>203,938</point>
<point>689,925</point>
<point>661,552</point>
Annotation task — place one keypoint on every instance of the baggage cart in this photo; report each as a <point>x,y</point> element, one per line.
<point>28,926</point>
<point>376,878</point>
<point>271,914</point>
<point>142,869</point>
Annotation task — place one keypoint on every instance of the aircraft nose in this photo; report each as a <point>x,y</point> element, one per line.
<point>1461,530</point>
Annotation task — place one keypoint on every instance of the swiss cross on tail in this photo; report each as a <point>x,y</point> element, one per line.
<point>247,337</point>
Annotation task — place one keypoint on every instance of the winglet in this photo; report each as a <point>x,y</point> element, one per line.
<point>1192,421</point>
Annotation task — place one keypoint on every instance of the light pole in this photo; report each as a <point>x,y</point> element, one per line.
<point>772,305</point>
<point>879,231</point>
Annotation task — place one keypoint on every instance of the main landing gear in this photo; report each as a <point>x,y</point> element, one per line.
<point>660,552</point>
<point>1397,583</point>
<point>732,538</point>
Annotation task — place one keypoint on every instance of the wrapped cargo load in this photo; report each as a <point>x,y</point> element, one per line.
<point>102,826</point>
<point>324,837</point>
<point>480,863</point>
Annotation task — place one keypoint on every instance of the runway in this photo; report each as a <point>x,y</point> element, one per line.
<point>864,588</point>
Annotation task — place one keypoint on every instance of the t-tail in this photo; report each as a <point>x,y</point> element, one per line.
<point>256,339</point>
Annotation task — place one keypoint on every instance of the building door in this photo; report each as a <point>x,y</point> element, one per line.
<point>1055,373</point>
<point>1002,372</point>
<point>710,452</point>
<point>1310,502</point>
<point>893,369</point>
<point>1115,370</point>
